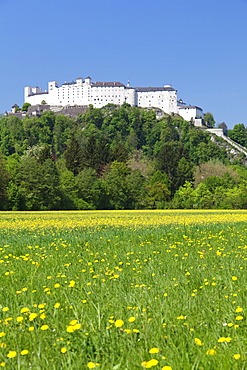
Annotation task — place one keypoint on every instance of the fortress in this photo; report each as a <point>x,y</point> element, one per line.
<point>84,92</point>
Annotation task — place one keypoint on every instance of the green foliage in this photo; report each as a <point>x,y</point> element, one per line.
<point>238,134</point>
<point>25,107</point>
<point>117,158</point>
<point>209,119</point>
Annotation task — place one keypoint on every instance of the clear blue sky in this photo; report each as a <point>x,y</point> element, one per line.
<point>197,46</point>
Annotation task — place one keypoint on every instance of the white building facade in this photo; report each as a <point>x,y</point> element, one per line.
<point>84,92</point>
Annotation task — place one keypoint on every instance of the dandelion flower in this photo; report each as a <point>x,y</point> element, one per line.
<point>24,352</point>
<point>198,341</point>
<point>131,319</point>
<point>211,352</point>
<point>44,327</point>
<point>166,368</point>
<point>150,363</point>
<point>154,350</point>
<point>63,350</point>
<point>119,323</point>
<point>4,309</point>
<point>91,365</point>
<point>238,309</point>
<point>57,305</point>
<point>239,318</point>
<point>12,354</point>
<point>237,356</point>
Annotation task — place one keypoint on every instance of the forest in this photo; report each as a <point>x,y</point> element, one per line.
<point>118,158</point>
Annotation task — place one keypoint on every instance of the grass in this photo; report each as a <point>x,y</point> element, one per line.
<point>123,290</point>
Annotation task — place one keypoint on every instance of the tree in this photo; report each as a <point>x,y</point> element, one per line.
<point>224,127</point>
<point>73,157</point>
<point>168,161</point>
<point>238,134</point>
<point>43,102</point>
<point>209,120</point>
<point>37,186</point>
<point>25,107</point>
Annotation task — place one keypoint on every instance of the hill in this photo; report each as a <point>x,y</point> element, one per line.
<point>117,158</point>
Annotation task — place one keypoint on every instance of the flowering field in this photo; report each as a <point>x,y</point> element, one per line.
<point>123,290</point>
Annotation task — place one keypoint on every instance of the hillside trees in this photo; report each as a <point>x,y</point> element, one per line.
<point>115,158</point>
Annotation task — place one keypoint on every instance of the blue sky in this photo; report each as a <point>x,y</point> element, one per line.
<point>197,46</point>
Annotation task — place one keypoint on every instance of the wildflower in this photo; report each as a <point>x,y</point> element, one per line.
<point>92,365</point>
<point>2,364</point>
<point>238,309</point>
<point>119,323</point>
<point>154,350</point>
<point>44,327</point>
<point>32,316</point>
<point>239,318</point>
<point>24,352</point>
<point>19,318</point>
<point>224,339</point>
<point>131,319</point>
<point>198,341</point>
<point>211,352</point>
<point>181,317</point>
<point>63,350</point>
<point>234,278</point>
<point>11,354</point>
<point>237,356</point>
<point>31,328</point>
<point>57,305</point>
<point>24,310</point>
<point>2,334</point>
<point>57,285</point>
<point>150,363</point>
<point>166,368</point>
<point>4,309</point>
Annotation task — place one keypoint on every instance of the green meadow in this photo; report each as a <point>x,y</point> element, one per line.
<point>91,290</point>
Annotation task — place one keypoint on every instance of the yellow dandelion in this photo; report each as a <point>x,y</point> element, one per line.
<point>166,367</point>
<point>24,352</point>
<point>154,350</point>
<point>63,350</point>
<point>70,329</point>
<point>12,354</point>
<point>198,341</point>
<point>132,319</point>
<point>238,309</point>
<point>239,318</point>
<point>2,334</point>
<point>31,328</point>
<point>2,364</point>
<point>57,305</point>
<point>32,316</point>
<point>91,365</point>
<point>234,278</point>
<point>44,327</point>
<point>237,356</point>
<point>119,323</point>
<point>211,352</point>
<point>24,310</point>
